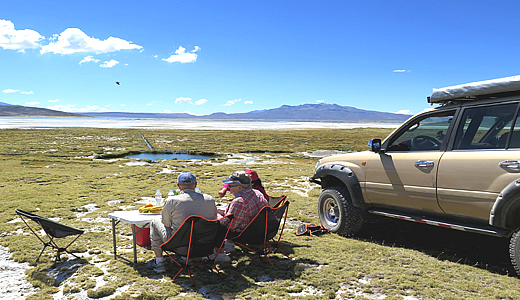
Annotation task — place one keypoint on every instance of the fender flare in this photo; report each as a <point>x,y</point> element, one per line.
<point>507,203</point>
<point>328,175</point>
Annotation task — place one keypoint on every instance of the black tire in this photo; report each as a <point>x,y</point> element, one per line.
<point>337,213</point>
<point>514,250</point>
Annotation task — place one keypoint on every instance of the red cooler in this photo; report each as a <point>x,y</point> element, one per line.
<point>143,237</point>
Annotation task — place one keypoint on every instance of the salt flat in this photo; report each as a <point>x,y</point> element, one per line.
<point>139,123</point>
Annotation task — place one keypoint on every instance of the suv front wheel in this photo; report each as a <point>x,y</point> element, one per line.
<point>337,213</point>
<point>514,250</point>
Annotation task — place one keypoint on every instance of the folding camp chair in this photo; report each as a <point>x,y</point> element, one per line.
<point>53,230</point>
<point>196,237</point>
<point>275,201</point>
<point>262,230</point>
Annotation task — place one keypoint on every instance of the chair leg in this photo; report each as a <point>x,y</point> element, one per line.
<point>44,246</point>
<point>276,246</point>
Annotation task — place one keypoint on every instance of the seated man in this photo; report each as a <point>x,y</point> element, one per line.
<point>176,209</point>
<point>247,203</point>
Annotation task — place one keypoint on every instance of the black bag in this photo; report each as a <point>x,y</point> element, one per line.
<point>311,229</point>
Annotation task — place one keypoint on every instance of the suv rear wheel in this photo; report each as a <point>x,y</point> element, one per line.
<point>337,213</point>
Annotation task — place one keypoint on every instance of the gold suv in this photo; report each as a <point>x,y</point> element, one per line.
<point>455,166</point>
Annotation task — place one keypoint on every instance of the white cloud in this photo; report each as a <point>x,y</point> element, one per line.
<point>231,102</point>
<point>404,112</point>
<point>182,56</point>
<point>320,101</point>
<point>32,103</point>
<point>201,101</point>
<point>248,102</point>
<point>400,71</point>
<point>149,104</point>
<point>10,91</point>
<point>54,101</point>
<point>73,40</point>
<point>12,39</point>
<point>72,108</point>
<point>183,100</point>
<point>89,58</point>
<point>109,64</point>
<point>122,105</point>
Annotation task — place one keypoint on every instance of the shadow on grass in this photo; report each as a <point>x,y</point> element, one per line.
<point>482,251</point>
<point>239,275</point>
<point>58,272</point>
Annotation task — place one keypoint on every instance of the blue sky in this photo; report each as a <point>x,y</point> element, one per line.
<point>237,56</point>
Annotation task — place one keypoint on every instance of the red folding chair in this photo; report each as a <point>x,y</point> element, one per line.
<point>195,238</point>
<point>275,201</point>
<point>53,230</point>
<point>262,230</point>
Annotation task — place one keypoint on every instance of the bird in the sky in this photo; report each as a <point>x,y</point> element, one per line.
<point>117,82</point>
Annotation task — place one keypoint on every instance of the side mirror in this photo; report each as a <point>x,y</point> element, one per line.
<point>375,145</point>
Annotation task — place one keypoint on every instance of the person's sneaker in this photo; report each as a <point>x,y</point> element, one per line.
<point>221,257</point>
<point>182,260</point>
<point>229,247</point>
<point>157,267</point>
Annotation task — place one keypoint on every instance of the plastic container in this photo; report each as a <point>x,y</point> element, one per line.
<point>198,190</point>
<point>158,198</point>
<point>143,237</point>
<point>171,194</point>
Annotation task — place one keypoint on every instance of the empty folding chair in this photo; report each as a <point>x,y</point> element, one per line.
<point>53,230</point>
<point>261,231</point>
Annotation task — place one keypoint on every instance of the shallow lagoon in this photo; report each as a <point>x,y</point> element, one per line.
<point>179,156</point>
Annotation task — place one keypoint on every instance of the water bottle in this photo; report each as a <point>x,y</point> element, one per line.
<point>197,190</point>
<point>171,194</point>
<point>158,198</point>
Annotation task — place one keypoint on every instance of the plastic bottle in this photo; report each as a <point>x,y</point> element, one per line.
<point>158,198</point>
<point>171,194</point>
<point>197,190</point>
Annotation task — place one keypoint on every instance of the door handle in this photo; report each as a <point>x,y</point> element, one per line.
<point>423,164</point>
<point>511,164</point>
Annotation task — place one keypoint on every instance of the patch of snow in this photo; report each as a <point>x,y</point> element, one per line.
<point>136,163</point>
<point>323,153</point>
<point>85,209</point>
<point>308,291</point>
<point>113,202</point>
<point>13,283</point>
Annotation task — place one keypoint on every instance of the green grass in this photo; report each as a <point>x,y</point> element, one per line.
<point>54,173</point>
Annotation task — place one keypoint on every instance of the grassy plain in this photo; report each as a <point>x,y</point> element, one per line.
<point>58,173</point>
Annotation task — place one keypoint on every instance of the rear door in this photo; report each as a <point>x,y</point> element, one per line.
<point>485,159</point>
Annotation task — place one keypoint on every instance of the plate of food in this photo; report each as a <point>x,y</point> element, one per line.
<point>150,209</point>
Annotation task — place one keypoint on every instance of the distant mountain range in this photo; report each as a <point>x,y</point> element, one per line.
<point>8,110</point>
<point>304,112</point>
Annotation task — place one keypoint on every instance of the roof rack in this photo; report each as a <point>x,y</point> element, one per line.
<point>507,86</point>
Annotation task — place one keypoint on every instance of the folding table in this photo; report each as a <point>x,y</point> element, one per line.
<point>134,218</point>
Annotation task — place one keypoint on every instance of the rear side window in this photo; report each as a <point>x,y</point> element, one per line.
<point>487,127</point>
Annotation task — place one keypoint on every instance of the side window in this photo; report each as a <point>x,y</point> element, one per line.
<point>514,142</point>
<point>424,134</point>
<point>485,127</point>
